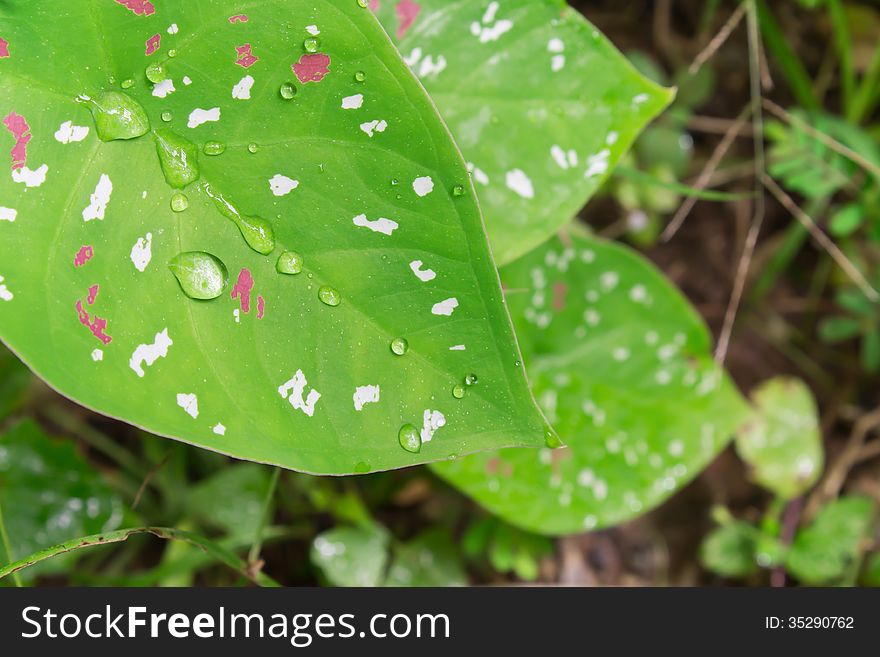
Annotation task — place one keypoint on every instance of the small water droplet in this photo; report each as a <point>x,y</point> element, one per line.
<point>360,76</point>
<point>311,44</point>
<point>156,72</point>
<point>471,380</point>
<point>201,275</point>
<point>458,190</point>
<point>362,468</point>
<point>409,438</point>
<point>362,4</point>
<point>117,116</point>
<point>167,116</point>
<point>172,53</point>
<point>395,182</point>
<point>253,147</point>
<point>214,148</point>
<point>320,168</point>
<point>128,83</point>
<point>112,79</point>
<point>288,91</point>
<point>459,391</point>
<point>517,363</point>
<point>329,296</point>
<point>179,202</point>
<point>289,262</point>
<point>551,438</point>
<point>179,158</point>
<point>399,346</point>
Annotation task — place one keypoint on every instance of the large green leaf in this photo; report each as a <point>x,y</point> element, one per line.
<point>542,105</point>
<point>621,364</point>
<point>782,442</point>
<point>50,494</point>
<point>350,167</point>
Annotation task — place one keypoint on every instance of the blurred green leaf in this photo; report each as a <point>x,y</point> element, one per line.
<point>824,551</point>
<point>14,381</point>
<point>231,499</point>
<point>730,550</point>
<point>782,442</point>
<point>871,574</point>
<point>50,494</point>
<point>430,559</point>
<point>622,366</point>
<point>846,220</point>
<point>839,329</point>
<point>351,556</point>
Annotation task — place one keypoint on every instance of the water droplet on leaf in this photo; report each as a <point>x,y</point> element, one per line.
<point>288,91</point>
<point>551,438</point>
<point>289,262</point>
<point>179,158</point>
<point>329,296</point>
<point>360,76</point>
<point>156,72</point>
<point>118,116</point>
<point>253,147</point>
<point>172,53</point>
<point>128,83</point>
<point>167,116</point>
<point>399,346</point>
<point>201,275</point>
<point>458,190</point>
<point>179,202</point>
<point>409,438</point>
<point>471,380</point>
<point>256,231</point>
<point>214,148</point>
<point>459,391</point>
<point>311,45</point>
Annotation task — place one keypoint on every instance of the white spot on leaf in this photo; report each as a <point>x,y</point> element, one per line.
<point>69,133</point>
<point>371,127</point>
<point>424,275</point>
<point>99,200</point>
<point>381,225</point>
<point>200,116</point>
<point>97,355</point>
<point>142,252</point>
<point>293,391</point>
<point>242,90</point>
<point>5,294</point>
<point>353,102</point>
<point>519,182</point>
<point>30,178</point>
<point>445,308</point>
<point>423,186</point>
<point>164,88</point>
<point>432,420</point>
<point>8,214</point>
<point>219,429</point>
<point>365,395</point>
<point>189,403</point>
<point>282,185</point>
<point>147,354</point>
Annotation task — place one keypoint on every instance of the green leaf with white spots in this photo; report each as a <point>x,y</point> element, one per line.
<point>351,556</point>
<point>542,105</point>
<point>825,551</point>
<point>782,442</point>
<point>280,127</point>
<point>621,364</point>
<point>50,494</point>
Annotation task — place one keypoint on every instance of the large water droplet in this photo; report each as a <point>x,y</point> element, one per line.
<point>289,262</point>
<point>167,116</point>
<point>156,72</point>
<point>179,202</point>
<point>214,148</point>
<point>409,438</point>
<point>253,147</point>
<point>399,346</point>
<point>458,190</point>
<point>459,391</point>
<point>329,296</point>
<point>471,380</point>
<point>128,83</point>
<point>288,91</point>
<point>201,275</point>
<point>311,45</point>
<point>360,76</point>
<point>179,158</point>
<point>117,116</point>
<point>256,231</point>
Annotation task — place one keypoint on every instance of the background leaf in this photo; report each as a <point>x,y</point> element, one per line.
<point>50,494</point>
<point>620,363</point>
<point>730,550</point>
<point>542,105</point>
<point>430,559</point>
<point>782,442</point>
<point>282,369</point>
<point>824,551</point>
<point>351,556</point>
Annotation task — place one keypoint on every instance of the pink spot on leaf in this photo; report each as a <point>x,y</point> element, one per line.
<point>93,294</point>
<point>245,57</point>
<point>4,48</point>
<point>96,325</point>
<point>238,18</point>
<point>261,307</point>
<point>312,68</point>
<point>242,290</point>
<point>139,7</point>
<point>153,44</point>
<point>407,13</point>
<point>20,130</point>
<point>85,254</point>
<point>559,292</point>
